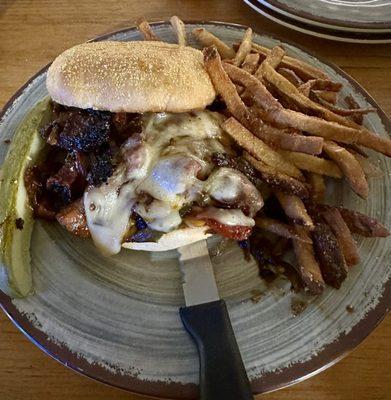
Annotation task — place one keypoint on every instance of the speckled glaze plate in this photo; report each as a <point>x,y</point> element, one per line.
<point>318,29</point>
<point>365,15</point>
<point>116,320</point>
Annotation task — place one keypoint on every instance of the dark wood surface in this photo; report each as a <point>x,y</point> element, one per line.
<point>32,33</point>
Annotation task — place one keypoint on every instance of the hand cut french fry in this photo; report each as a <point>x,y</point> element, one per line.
<point>250,63</point>
<point>146,30</point>
<point>295,209</point>
<point>319,84</point>
<point>302,69</point>
<point>268,73</point>
<point>318,187</point>
<point>350,167</point>
<point>313,164</point>
<point>370,169</point>
<point>290,75</point>
<point>277,180</point>
<point>208,39</point>
<point>244,48</point>
<point>329,255</point>
<point>259,149</point>
<point>341,231</point>
<point>279,228</point>
<point>224,86</point>
<point>272,135</point>
<point>274,59</point>
<point>330,97</point>
<point>308,267</point>
<point>352,103</point>
<point>275,113</point>
<point>179,28</point>
<point>239,110</point>
<point>286,140</point>
<point>346,112</point>
<point>362,224</point>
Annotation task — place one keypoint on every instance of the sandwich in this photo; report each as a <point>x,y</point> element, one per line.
<point>131,133</point>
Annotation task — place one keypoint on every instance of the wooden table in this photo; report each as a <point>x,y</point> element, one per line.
<point>31,34</point>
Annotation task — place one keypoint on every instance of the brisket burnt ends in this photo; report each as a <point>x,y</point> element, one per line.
<point>83,144</point>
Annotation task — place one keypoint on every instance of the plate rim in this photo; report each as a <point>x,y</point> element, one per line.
<point>271,381</point>
<point>277,5</point>
<point>317,31</point>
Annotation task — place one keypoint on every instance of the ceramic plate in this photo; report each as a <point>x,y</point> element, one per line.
<point>369,15</point>
<point>116,319</point>
<point>320,30</point>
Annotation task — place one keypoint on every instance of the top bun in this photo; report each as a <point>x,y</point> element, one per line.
<point>131,77</point>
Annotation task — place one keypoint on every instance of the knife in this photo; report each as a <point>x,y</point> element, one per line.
<point>206,319</point>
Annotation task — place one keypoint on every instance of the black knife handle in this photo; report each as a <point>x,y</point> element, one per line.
<point>222,373</point>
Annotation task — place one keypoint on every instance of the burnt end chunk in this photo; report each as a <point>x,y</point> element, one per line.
<point>101,167</point>
<point>73,218</point>
<point>126,124</point>
<point>35,178</point>
<point>85,130</point>
<point>329,255</point>
<point>67,183</point>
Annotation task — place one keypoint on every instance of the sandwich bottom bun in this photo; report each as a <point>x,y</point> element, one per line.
<point>172,240</point>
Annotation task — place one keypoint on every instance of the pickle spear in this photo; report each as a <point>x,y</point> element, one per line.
<point>16,215</point>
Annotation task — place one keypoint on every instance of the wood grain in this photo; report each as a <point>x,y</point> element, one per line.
<point>31,34</point>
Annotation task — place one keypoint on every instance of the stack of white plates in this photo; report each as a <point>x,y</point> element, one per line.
<point>361,21</point>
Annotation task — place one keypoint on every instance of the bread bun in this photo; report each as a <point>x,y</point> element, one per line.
<point>172,240</point>
<point>131,77</point>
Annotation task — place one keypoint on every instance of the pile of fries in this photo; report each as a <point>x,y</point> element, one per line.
<point>282,114</point>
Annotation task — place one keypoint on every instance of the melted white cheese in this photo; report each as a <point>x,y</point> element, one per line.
<point>161,170</point>
<point>231,187</point>
<point>232,217</point>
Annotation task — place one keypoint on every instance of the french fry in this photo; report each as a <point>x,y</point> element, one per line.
<point>244,48</point>
<point>370,170</point>
<point>250,63</point>
<point>179,28</point>
<point>341,231</point>
<point>302,69</point>
<point>285,140</point>
<point>311,163</point>
<point>268,73</point>
<point>362,224</point>
<point>239,110</point>
<point>258,148</point>
<point>290,75</point>
<point>356,149</point>
<point>352,103</point>
<point>318,187</point>
<point>329,255</point>
<point>277,180</point>
<point>224,86</point>
<point>274,59</point>
<point>146,30</point>
<point>273,136</point>
<point>208,39</point>
<point>279,228</point>
<point>326,129</point>
<point>345,112</point>
<point>275,113</point>
<point>330,97</point>
<point>308,267</point>
<point>295,209</point>
<point>319,84</point>
<point>350,167</point>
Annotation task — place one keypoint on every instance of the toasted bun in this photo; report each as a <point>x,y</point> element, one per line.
<point>172,240</point>
<point>131,77</point>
